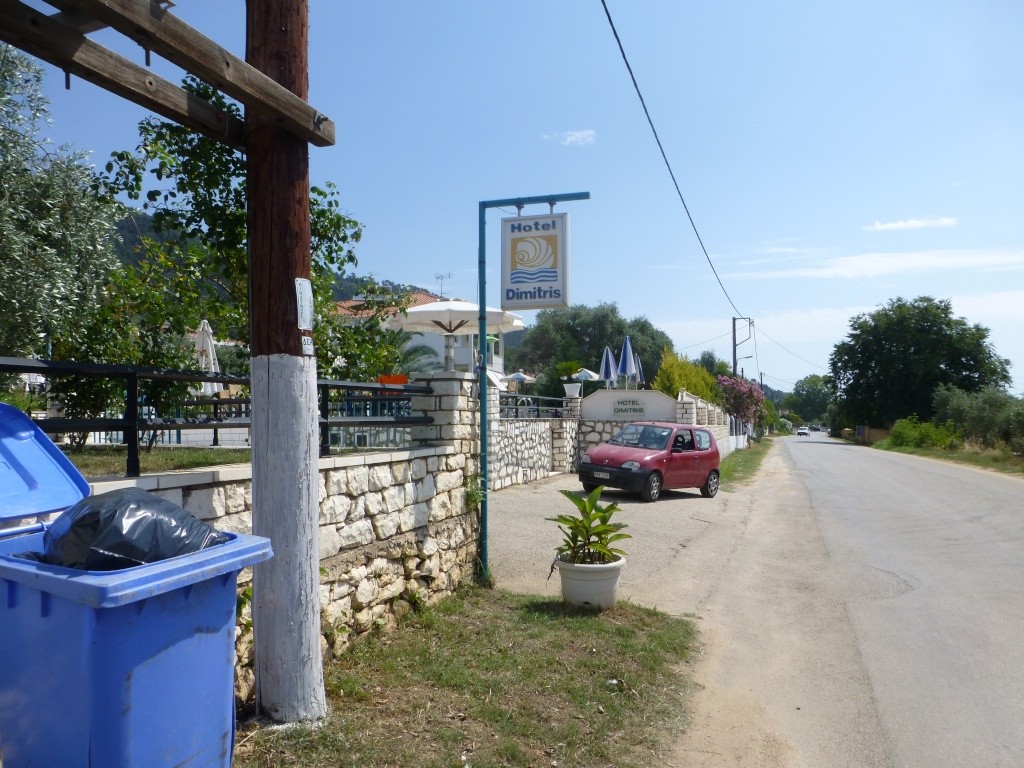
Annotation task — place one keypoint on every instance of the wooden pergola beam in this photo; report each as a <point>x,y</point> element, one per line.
<point>65,48</point>
<point>152,26</point>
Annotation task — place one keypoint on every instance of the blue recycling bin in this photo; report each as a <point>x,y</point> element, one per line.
<point>108,669</point>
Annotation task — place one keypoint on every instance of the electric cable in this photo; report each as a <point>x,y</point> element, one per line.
<point>664,156</point>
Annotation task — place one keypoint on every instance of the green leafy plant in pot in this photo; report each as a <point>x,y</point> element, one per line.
<point>587,560</point>
<point>565,371</point>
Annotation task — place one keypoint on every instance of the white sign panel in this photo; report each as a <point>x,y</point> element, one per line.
<point>304,303</point>
<point>534,262</point>
<point>628,405</point>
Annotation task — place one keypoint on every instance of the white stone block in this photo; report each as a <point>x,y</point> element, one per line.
<point>380,477</point>
<point>357,533</point>
<point>387,525</point>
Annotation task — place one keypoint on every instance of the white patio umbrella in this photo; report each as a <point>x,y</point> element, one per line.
<point>451,317</point>
<point>609,369</point>
<point>206,354</point>
<point>518,378</point>
<point>627,361</point>
<point>584,374</point>
<point>639,371</point>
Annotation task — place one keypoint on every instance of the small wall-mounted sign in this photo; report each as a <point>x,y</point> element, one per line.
<point>304,304</point>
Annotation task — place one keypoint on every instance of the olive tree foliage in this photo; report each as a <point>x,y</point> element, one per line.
<point>991,416</point>
<point>580,333</point>
<point>894,358</point>
<point>713,363</point>
<point>55,227</point>
<point>677,373</point>
<point>195,189</point>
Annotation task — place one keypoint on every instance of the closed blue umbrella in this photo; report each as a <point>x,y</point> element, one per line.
<point>609,368</point>
<point>627,361</point>
<point>639,371</point>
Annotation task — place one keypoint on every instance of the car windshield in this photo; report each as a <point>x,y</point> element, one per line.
<point>640,436</point>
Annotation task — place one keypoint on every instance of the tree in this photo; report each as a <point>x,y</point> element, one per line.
<point>581,333</point>
<point>810,398</point>
<point>713,364</point>
<point>677,373</point>
<point>990,416</point>
<point>198,208</point>
<point>893,359</point>
<point>56,229</point>
<point>413,355</point>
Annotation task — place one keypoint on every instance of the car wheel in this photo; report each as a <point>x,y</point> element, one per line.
<point>652,488</point>
<point>589,488</point>
<point>710,487</point>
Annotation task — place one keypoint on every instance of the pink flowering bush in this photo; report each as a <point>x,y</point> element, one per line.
<point>741,397</point>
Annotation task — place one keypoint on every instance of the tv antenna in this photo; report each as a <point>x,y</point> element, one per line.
<point>442,276</point>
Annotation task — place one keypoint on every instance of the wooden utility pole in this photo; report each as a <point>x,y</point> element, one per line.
<point>286,599</point>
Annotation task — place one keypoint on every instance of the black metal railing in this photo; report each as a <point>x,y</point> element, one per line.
<point>520,406</point>
<point>342,404</point>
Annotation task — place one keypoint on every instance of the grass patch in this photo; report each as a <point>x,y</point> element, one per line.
<point>741,466</point>
<point>970,453</point>
<point>489,678</point>
<point>105,461</point>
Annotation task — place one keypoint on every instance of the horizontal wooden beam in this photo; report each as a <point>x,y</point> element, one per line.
<point>78,22</point>
<point>65,48</point>
<point>149,24</point>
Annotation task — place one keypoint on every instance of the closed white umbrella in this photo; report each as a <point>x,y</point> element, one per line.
<point>206,354</point>
<point>451,317</point>
<point>627,361</point>
<point>609,369</point>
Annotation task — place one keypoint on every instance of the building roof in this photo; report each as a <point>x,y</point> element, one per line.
<point>355,308</point>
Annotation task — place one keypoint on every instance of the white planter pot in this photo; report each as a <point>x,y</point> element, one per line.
<point>572,390</point>
<point>586,584</point>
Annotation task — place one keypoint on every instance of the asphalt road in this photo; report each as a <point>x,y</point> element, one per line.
<point>857,608</point>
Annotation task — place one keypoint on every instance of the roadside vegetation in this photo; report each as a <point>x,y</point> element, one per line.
<point>984,428</point>
<point>741,466</point>
<point>489,678</point>
<point>96,462</point>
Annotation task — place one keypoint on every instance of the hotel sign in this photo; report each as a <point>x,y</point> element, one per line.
<point>534,262</point>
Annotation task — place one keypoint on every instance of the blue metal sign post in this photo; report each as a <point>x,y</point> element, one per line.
<point>519,203</point>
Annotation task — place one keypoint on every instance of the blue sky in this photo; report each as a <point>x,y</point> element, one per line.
<point>833,156</point>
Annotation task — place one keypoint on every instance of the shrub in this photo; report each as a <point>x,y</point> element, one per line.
<point>911,433</point>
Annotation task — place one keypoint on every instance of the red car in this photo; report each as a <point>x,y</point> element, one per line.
<point>649,456</point>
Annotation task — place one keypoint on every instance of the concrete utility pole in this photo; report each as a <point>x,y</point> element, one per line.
<point>286,603</point>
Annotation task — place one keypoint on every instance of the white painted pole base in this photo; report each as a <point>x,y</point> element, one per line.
<point>285,489</point>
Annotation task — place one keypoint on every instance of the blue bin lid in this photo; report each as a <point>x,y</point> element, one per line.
<point>35,477</point>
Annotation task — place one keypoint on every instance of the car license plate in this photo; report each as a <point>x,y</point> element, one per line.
<point>603,475</point>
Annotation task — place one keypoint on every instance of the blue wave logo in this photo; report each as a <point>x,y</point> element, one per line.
<point>519,276</point>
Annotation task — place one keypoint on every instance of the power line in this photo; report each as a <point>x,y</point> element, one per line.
<point>664,156</point>
<point>707,341</point>
<point>794,354</point>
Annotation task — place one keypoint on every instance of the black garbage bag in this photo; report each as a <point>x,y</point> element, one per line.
<point>122,529</point>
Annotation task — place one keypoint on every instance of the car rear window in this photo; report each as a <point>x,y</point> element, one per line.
<point>703,439</point>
